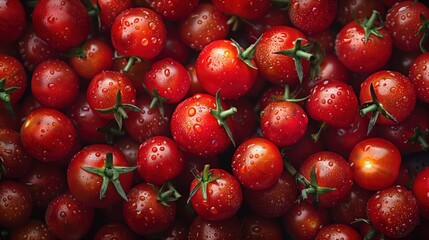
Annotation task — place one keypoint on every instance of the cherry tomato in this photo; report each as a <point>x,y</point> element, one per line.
<point>421,187</point>
<point>393,211</point>
<point>14,159</point>
<point>419,76</point>
<point>62,24</point>
<point>32,229</point>
<point>247,9</point>
<point>138,32</point>
<point>16,205</point>
<point>48,135</point>
<point>173,10</point>
<point>12,16</point>
<point>337,231</point>
<point>375,163</point>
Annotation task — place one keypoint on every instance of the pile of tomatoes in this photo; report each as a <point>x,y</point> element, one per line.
<point>214,119</point>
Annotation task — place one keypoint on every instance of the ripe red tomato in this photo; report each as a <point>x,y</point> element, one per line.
<point>62,24</point>
<point>278,68</point>
<point>274,201</point>
<point>254,227</point>
<point>159,159</point>
<point>257,163</point>
<point>375,163</point>
<point>222,65</point>
<point>388,96</point>
<point>312,16</point>
<point>15,161</point>
<point>138,32</point>
<point>146,212</point>
<point>99,176</point>
<point>393,211</point>
<point>32,229</point>
<point>94,56</point>
<point>173,10</point>
<point>248,9</point>
<point>16,205</point>
<point>403,21</point>
<point>328,179</point>
<point>12,16</point>
<point>283,122</point>
<point>333,102</point>
<point>421,187</point>
<point>195,127</point>
<point>13,81</point>
<point>115,231</point>
<point>55,84</point>
<point>205,25</point>
<point>68,218</point>
<point>362,46</point>
<point>215,194</point>
<point>419,76</point>
<point>48,135</point>
<point>108,10</point>
<point>228,229</point>
<point>337,231</point>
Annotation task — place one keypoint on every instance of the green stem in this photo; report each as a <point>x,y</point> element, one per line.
<point>371,108</point>
<point>130,63</point>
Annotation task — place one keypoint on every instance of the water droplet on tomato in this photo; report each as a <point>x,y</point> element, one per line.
<point>144,42</point>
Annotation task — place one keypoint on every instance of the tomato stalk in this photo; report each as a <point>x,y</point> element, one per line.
<point>290,97</point>
<point>203,179</point>
<point>157,100</point>
<point>118,110</point>
<point>247,55</point>
<point>376,108</point>
<point>423,29</point>
<point>94,11</point>
<point>369,25</point>
<point>221,115</point>
<point>297,53</point>
<point>111,131</point>
<point>167,193</point>
<point>316,136</point>
<point>418,137</point>
<point>110,173</point>
<point>3,170</point>
<point>287,165</point>
<point>371,233</point>
<point>312,187</point>
<point>5,96</point>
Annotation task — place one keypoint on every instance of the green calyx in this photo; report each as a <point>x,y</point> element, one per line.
<point>110,174</point>
<point>423,29</point>
<point>419,138</point>
<point>376,108</point>
<point>203,179</point>
<point>312,188</point>
<point>5,96</point>
<point>111,131</point>
<point>297,53</point>
<point>222,115</point>
<point>167,193</point>
<point>369,25</point>
<point>118,110</point>
<point>247,55</point>
<point>3,170</point>
<point>290,96</point>
<point>157,100</point>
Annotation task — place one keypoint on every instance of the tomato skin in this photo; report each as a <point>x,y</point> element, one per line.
<point>218,67</point>
<point>169,78</point>
<point>12,16</point>
<point>160,160</point>
<point>16,205</point>
<point>257,163</point>
<point>332,171</point>
<point>139,32</point>
<point>337,231</point>
<point>275,201</point>
<point>312,16</point>
<point>55,84</point>
<point>254,228</point>
<point>114,231</point>
<point>32,229</point>
<point>421,187</point>
<point>393,211</point>
<point>13,156</point>
<point>48,135</point>
<point>224,197</point>
<point>144,214</point>
<point>283,122</point>
<point>360,9</point>
<point>248,9</point>
<point>303,221</point>
<point>109,10</point>
<point>277,68</point>
<point>85,186</point>
<point>12,69</point>
<point>68,218</point>
<point>201,228</point>
<point>360,56</point>
<point>394,91</point>
<point>173,10</point>
<point>62,24</point>
<point>196,130</point>
<point>103,89</point>
<point>333,102</point>
<point>403,22</point>
<point>197,31</point>
<point>375,163</point>
<point>419,76</point>
<point>98,56</point>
